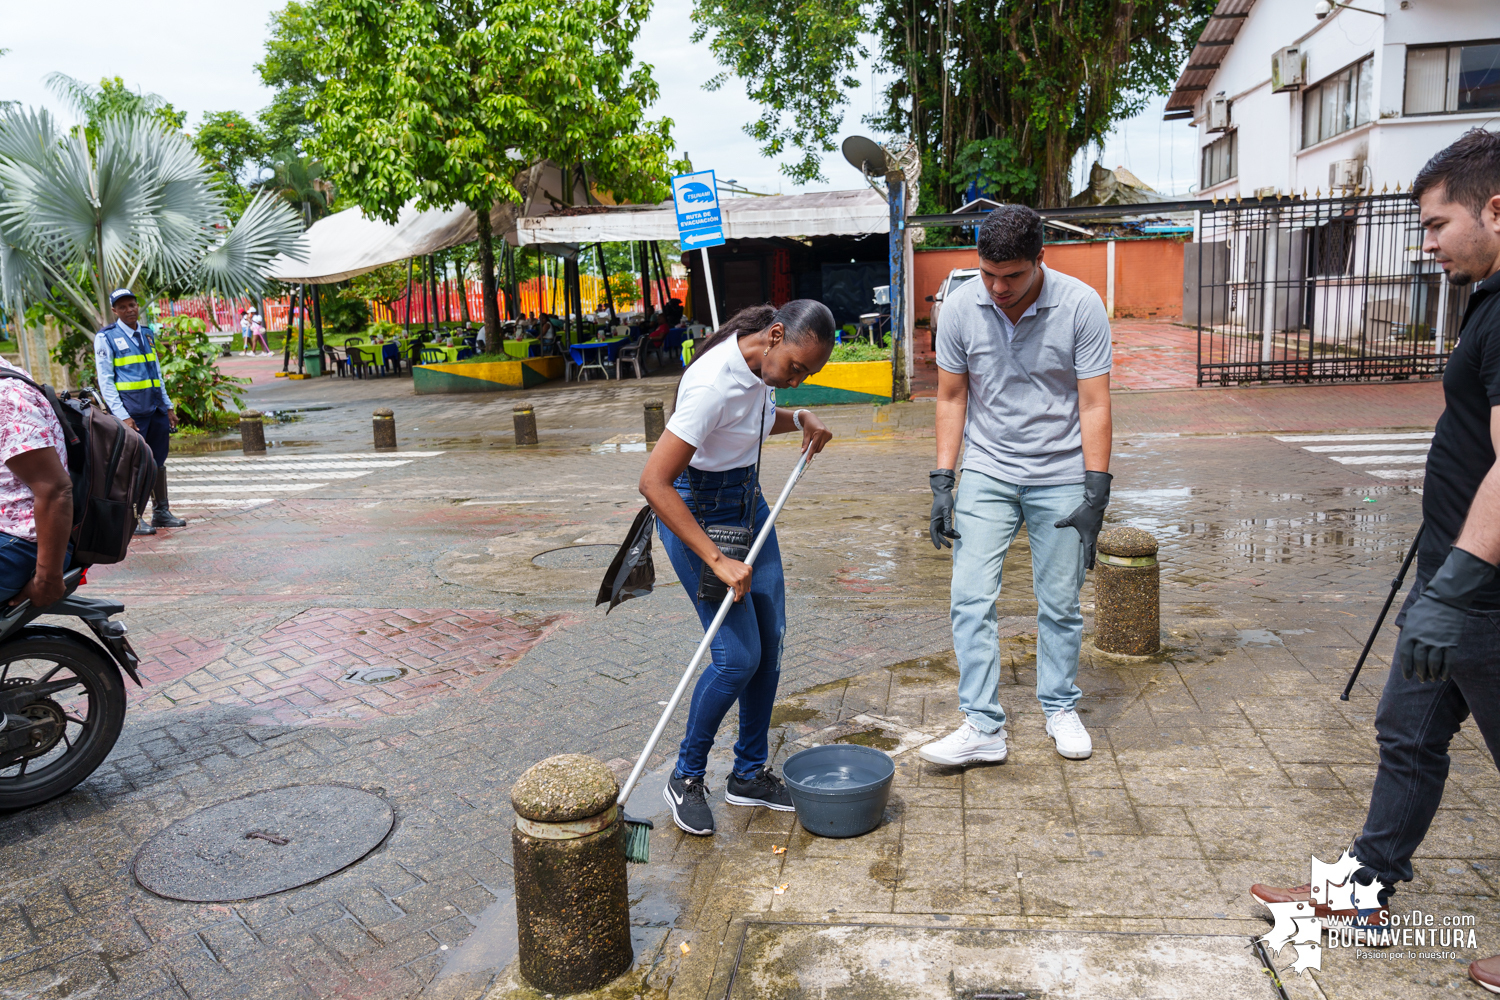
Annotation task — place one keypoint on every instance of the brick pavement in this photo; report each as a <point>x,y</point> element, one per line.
<point>1259,539</point>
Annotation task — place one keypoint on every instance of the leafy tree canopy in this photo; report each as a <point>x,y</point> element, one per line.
<point>996,93</point>
<point>229,143</point>
<point>287,68</point>
<point>446,103</point>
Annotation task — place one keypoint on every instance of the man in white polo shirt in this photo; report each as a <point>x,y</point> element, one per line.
<point>1023,381</point>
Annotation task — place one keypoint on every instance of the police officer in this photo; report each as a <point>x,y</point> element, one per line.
<point>130,381</point>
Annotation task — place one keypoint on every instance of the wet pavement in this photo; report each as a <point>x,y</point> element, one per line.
<point>426,632</point>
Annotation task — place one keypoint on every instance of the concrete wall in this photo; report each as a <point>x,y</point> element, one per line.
<point>1148,273</point>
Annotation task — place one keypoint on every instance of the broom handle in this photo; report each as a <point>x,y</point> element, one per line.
<point>708,635</point>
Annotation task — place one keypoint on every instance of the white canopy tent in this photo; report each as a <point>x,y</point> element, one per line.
<point>347,244</point>
<point>822,213</point>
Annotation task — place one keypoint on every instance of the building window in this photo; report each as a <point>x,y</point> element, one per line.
<point>1339,103</point>
<point>1220,161</point>
<point>1447,78</point>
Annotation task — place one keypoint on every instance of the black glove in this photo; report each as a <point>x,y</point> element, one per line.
<point>1435,619</point>
<point>1089,517</point>
<point>941,528</point>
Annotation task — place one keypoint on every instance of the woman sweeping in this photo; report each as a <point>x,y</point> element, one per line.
<point>701,478</point>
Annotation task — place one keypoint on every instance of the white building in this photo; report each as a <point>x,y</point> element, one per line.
<point>1285,102</point>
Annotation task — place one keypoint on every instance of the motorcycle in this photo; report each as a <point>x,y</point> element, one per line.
<point>62,696</point>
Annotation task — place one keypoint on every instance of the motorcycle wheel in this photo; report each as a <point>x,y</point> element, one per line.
<point>89,714</point>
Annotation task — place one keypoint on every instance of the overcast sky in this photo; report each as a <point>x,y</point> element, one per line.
<point>201,56</point>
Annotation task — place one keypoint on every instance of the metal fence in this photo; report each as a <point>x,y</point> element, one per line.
<point>1332,290</point>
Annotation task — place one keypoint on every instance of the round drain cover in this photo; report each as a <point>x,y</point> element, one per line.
<point>577,557</point>
<point>263,843</point>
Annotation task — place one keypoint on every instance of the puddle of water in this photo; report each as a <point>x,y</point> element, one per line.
<point>1256,638</point>
<point>491,945</point>
<point>611,449</point>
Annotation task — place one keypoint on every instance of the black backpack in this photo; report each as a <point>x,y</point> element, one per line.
<point>113,474</point>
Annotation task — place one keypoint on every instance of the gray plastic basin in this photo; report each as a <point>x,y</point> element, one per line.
<point>840,790</point>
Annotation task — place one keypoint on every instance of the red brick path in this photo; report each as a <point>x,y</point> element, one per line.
<point>295,672</point>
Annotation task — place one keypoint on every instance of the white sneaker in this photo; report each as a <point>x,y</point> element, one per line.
<point>1066,730</point>
<point>965,745</point>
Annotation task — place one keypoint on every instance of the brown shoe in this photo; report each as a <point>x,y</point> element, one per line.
<point>1298,894</point>
<point>1486,972</point>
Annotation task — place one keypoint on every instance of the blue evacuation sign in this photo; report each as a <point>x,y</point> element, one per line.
<point>699,223</point>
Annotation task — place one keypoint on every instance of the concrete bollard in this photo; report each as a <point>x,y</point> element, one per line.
<point>252,433</point>
<point>656,420</point>
<point>385,429</point>
<point>1127,593</point>
<point>572,901</point>
<point>525,424</point>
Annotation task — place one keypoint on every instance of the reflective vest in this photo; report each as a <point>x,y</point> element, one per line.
<point>137,375</point>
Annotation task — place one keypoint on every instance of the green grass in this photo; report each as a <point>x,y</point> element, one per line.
<point>859,350</point>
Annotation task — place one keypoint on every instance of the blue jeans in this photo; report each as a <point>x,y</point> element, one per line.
<point>1414,724</point>
<point>987,513</point>
<point>18,564</point>
<point>747,649</point>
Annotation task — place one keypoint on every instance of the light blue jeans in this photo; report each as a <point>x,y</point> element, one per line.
<point>987,513</point>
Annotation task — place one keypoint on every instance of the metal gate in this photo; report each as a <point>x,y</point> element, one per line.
<point>1332,290</point>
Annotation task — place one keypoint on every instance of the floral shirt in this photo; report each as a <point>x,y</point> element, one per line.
<point>27,423</point>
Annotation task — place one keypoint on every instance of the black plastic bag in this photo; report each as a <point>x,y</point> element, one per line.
<point>631,572</point>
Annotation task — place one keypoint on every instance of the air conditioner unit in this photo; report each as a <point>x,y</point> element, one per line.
<point>1344,174</point>
<point>1218,113</point>
<point>1286,70</point>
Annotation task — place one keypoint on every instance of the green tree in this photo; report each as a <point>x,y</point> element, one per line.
<point>113,99</point>
<point>1030,81</point>
<point>446,103</point>
<point>288,70</point>
<point>229,142</point>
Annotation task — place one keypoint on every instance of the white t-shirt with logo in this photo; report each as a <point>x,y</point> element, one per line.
<point>719,406</point>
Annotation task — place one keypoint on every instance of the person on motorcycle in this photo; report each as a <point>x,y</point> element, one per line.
<point>36,496</point>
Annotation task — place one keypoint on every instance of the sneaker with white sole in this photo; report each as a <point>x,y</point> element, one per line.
<point>763,788</point>
<point>688,798</point>
<point>1066,730</point>
<point>966,745</point>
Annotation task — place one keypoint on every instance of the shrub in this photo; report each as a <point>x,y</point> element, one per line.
<point>859,350</point>
<point>203,396</point>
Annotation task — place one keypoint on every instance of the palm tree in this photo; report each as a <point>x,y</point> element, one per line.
<point>134,208</point>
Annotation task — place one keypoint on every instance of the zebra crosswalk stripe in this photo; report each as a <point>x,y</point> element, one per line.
<point>239,481</point>
<point>1400,456</point>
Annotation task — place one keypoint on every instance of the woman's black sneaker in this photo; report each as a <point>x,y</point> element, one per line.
<point>688,798</point>
<point>764,789</point>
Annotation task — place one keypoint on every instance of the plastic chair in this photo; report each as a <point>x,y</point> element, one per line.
<point>630,354</point>
<point>433,355</point>
<point>359,362</point>
<point>338,362</point>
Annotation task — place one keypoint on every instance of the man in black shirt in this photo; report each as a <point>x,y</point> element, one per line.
<point>1447,662</point>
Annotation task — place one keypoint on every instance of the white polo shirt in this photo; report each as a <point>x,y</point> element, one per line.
<point>719,406</point>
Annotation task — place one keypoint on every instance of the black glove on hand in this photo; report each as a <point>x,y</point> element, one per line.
<point>1089,517</point>
<point>1435,619</point>
<point>941,527</point>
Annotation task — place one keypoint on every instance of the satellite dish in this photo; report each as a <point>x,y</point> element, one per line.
<point>865,155</point>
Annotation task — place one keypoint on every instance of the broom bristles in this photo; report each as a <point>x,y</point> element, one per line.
<point>637,840</point>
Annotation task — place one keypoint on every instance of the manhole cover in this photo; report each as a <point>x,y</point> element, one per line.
<point>375,675</point>
<point>577,557</point>
<point>263,843</point>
